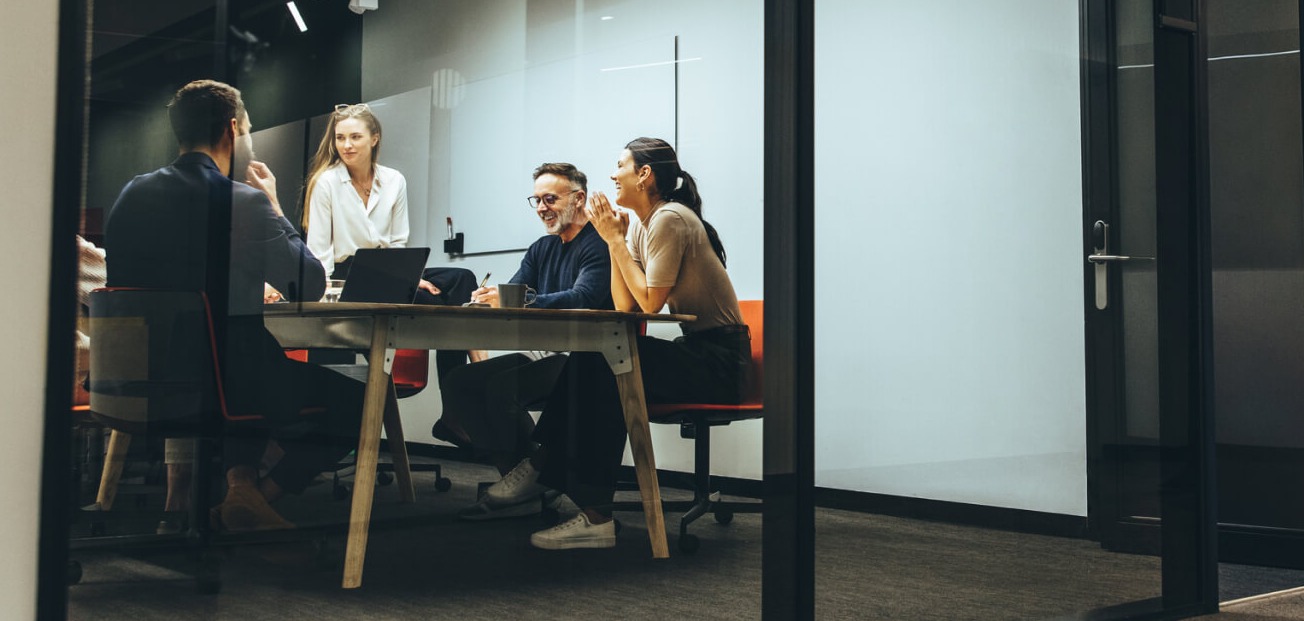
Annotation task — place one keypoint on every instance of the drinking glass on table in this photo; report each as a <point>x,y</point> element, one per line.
<point>333,290</point>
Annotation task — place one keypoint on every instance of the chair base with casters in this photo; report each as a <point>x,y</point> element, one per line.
<point>695,421</point>
<point>696,426</point>
<point>410,375</point>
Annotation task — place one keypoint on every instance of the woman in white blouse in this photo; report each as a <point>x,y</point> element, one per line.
<point>352,201</point>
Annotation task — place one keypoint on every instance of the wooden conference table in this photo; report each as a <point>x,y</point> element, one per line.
<point>381,328</point>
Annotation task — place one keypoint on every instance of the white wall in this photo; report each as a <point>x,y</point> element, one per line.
<point>27,68</point>
<point>949,349</point>
<point>720,128</point>
<point>949,352</point>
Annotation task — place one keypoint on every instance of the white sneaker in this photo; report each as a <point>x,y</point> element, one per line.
<point>576,533</point>
<point>519,485</point>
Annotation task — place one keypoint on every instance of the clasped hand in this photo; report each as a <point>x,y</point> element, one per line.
<point>611,224</point>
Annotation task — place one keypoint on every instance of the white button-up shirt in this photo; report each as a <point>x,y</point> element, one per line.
<point>339,224</point>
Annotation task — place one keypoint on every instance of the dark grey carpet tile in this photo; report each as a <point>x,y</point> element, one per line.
<point>423,563</point>
<point>1269,608</point>
<point>876,567</point>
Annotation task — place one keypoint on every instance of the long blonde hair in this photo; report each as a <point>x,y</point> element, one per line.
<point>328,156</point>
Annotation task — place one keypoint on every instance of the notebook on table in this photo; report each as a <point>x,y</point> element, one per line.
<point>384,275</point>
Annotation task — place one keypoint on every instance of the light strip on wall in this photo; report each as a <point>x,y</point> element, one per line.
<point>298,19</point>
<point>1217,58</point>
<point>657,64</point>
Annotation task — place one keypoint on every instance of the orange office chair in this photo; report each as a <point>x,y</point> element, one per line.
<point>695,421</point>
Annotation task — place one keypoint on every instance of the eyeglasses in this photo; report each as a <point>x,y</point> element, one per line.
<point>358,107</point>
<point>547,199</point>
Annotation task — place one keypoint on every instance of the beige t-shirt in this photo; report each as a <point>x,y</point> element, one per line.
<point>673,250</point>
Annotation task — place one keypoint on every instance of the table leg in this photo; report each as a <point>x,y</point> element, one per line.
<point>634,403</point>
<point>364,478</point>
<point>398,449</point>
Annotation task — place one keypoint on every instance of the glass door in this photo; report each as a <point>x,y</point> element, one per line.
<point>1149,337</point>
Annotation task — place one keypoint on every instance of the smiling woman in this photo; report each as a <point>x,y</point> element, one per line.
<point>350,200</point>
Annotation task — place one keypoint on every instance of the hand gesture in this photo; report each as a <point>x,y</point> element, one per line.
<point>260,177</point>
<point>270,294</point>
<point>611,224</point>
<point>486,295</point>
<point>427,286</point>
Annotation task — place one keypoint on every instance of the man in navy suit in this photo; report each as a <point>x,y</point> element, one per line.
<point>158,235</point>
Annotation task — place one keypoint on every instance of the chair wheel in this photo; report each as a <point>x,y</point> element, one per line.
<point>74,572</point>
<point>689,543</point>
<point>723,516</point>
<point>443,484</point>
<point>384,478</point>
<point>341,492</point>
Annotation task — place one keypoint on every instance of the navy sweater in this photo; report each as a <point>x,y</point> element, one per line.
<point>576,274</point>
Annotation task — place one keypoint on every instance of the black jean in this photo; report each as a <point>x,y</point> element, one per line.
<point>278,390</point>
<point>583,425</point>
<point>488,399</point>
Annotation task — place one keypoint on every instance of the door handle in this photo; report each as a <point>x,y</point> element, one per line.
<point>1101,258</point>
<point>1115,258</point>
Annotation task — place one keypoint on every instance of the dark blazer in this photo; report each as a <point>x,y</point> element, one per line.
<point>157,235</point>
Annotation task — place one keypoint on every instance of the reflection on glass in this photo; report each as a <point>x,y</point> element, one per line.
<point>952,377</point>
<point>471,98</point>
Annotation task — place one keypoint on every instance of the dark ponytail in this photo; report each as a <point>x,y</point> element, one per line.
<point>673,182</point>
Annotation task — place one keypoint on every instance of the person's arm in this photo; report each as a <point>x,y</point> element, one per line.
<point>288,265</point>
<point>399,216</point>
<point>592,281</point>
<point>633,282</point>
<point>629,287</point>
<point>261,178</point>
<point>526,274</point>
<point>320,226</point>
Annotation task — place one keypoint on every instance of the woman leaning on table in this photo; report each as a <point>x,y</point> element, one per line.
<point>352,202</point>
<point>671,257</point>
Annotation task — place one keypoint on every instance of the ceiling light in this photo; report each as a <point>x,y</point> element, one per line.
<point>298,19</point>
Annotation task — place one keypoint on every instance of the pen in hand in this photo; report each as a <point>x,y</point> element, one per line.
<point>475,295</point>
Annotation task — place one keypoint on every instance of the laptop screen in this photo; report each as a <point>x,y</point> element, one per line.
<point>384,275</point>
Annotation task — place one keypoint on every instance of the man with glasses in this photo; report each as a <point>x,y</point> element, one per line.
<point>487,401</point>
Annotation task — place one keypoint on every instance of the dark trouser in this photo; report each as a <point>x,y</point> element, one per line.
<point>455,285</point>
<point>583,425</point>
<point>313,441</point>
<point>488,399</point>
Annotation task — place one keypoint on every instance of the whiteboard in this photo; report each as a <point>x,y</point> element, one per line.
<point>581,110</point>
<point>405,147</point>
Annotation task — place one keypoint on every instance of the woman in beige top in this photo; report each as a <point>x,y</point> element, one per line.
<point>664,255</point>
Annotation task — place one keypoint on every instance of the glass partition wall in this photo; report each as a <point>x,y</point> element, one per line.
<point>1009,420</point>
<point>985,188</point>
<point>471,98</point>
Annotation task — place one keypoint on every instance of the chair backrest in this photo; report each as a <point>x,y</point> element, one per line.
<point>411,371</point>
<point>152,365</point>
<point>754,316</point>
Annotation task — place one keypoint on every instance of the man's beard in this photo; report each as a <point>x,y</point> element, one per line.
<point>564,218</point>
<point>242,154</point>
